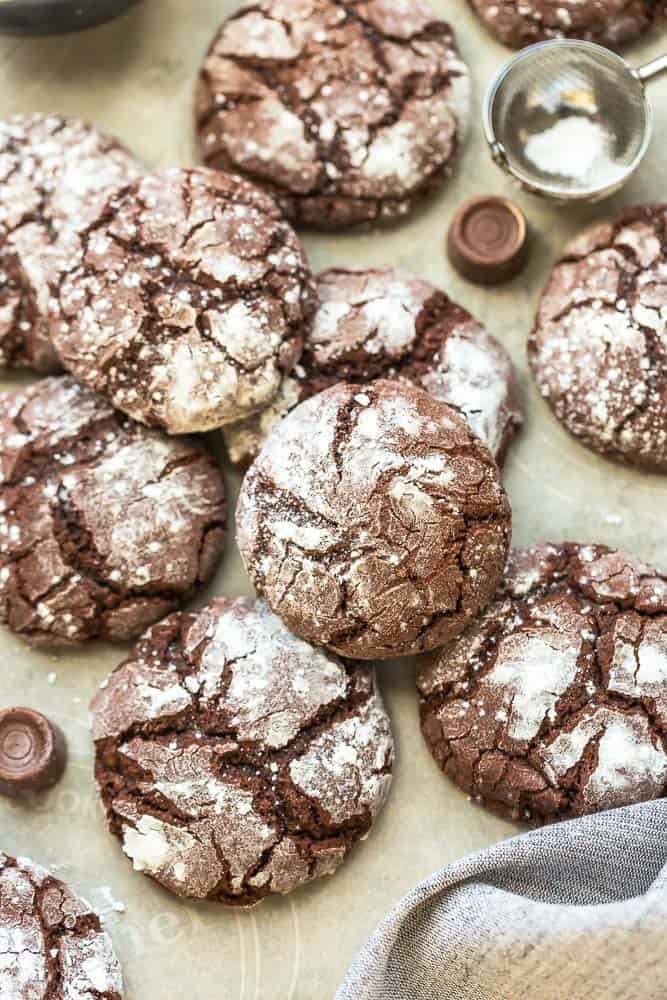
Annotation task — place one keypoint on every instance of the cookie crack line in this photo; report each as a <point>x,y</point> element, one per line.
<point>92,504</point>
<point>301,775</point>
<point>332,160</point>
<point>591,705</point>
<point>212,336</point>
<point>606,387</point>
<point>62,921</point>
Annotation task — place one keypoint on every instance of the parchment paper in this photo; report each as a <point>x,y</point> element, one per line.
<point>135,77</point>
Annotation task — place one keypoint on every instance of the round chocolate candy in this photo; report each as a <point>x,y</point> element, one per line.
<point>33,752</point>
<point>487,240</point>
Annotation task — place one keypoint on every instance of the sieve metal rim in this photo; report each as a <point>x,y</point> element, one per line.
<point>554,190</point>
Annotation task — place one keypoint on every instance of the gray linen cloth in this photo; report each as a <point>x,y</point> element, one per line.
<point>575,910</point>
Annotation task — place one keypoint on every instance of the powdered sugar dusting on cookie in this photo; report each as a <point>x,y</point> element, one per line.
<point>345,769</point>
<point>355,110</point>
<point>630,761</point>
<point>474,373</point>
<point>194,343</point>
<point>54,176</point>
<point>206,719</point>
<point>89,967</point>
<point>553,704</point>
<point>372,311</point>
<point>219,813</point>
<point>613,24</point>
<point>372,534</point>
<point>598,347</point>
<point>277,681</point>
<point>639,665</point>
<point>105,524</point>
<point>385,323</point>
<point>22,946</point>
<point>48,935</point>
<point>532,672</point>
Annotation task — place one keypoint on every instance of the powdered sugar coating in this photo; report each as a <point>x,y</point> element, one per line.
<point>384,323</point>
<point>235,760</point>
<point>190,302</point>
<point>609,22</point>
<point>630,765</point>
<point>346,110</point>
<point>344,768</point>
<point>598,348</point>
<point>55,174</point>
<point>104,525</point>
<point>555,702</point>
<point>51,944</point>
<point>373,522</point>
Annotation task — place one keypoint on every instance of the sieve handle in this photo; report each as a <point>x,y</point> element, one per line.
<point>652,69</point>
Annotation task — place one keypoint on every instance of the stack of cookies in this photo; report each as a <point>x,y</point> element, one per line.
<point>243,749</point>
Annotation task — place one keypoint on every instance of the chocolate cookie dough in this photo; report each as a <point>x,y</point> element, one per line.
<point>55,174</point>
<point>52,945</point>
<point>610,22</point>
<point>599,347</point>
<point>373,521</point>
<point>104,525</point>
<point>190,303</point>
<point>346,110</point>
<point>554,703</point>
<point>382,323</point>
<point>233,759</point>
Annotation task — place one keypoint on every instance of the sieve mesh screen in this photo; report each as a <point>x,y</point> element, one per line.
<point>571,119</point>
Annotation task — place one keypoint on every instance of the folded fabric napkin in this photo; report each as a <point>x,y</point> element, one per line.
<point>575,910</point>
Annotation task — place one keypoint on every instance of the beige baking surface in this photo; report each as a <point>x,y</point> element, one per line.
<point>135,78</point>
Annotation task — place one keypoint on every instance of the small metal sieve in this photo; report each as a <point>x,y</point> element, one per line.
<point>569,120</point>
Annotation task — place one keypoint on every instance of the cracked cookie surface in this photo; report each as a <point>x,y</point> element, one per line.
<point>373,521</point>
<point>52,946</point>
<point>609,22</point>
<point>55,173</point>
<point>383,323</point>
<point>599,347</point>
<point>235,760</point>
<point>346,110</point>
<point>105,526</point>
<point>190,302</point>
<point>554,704</point>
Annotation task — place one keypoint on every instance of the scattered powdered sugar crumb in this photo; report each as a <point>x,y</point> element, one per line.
<point>110,903</point>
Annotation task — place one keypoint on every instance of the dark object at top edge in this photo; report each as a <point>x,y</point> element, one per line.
<point>57,17</point>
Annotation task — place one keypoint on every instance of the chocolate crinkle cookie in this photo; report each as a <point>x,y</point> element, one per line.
<point>554,703</point>
<point>190,303</point>
<point>599,347</point>
<point>52,945</point>
<point>104,525</point>
<point>234,760</point>
<point>346,110</point>
<point>609,22</point>
<point>382,323</point>
<point>54,175</point>
<point>373,521</point>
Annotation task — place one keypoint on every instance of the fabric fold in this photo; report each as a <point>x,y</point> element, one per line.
<point>574,911</point>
